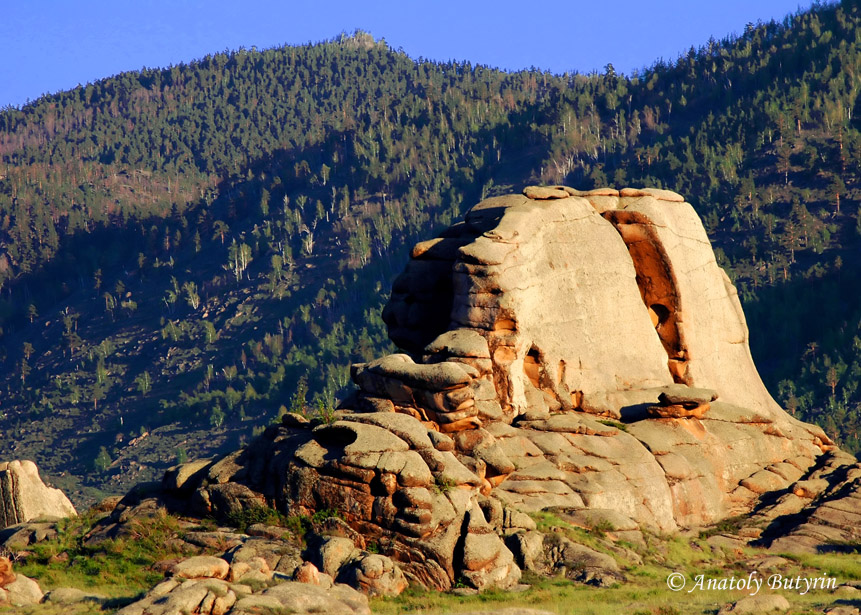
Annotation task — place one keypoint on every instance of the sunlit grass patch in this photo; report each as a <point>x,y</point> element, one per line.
<point>117,568</point>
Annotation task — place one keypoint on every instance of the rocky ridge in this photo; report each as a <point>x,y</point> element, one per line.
<point>565,350</point>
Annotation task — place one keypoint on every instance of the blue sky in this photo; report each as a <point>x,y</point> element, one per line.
<point>52,45</point>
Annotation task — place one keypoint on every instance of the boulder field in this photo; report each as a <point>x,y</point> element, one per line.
<point>566,350</point>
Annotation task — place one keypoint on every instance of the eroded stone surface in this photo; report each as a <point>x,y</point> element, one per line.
<point>373,574</point>
<point>821,512</point>
<point>201,566</point>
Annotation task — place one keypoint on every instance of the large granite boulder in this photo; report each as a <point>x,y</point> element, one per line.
<point>566,350</point>
<point>608,303</point>
<point>24,497</point>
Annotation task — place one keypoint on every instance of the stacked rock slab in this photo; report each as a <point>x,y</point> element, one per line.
<point>395,483</point>
<point>824,508</point>
<point>395,480</point>
<point>568,349</point>
<point>24,497</point>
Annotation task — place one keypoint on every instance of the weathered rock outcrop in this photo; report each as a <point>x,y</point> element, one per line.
<point>608,303</point>
<point>568,349</point>
<point>820,512</point>
<point>24,497</point>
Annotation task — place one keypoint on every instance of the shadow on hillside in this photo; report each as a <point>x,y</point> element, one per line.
<point>66,282</point>
<point>787,318</point>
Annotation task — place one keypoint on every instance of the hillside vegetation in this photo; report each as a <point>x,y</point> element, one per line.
<point>186,253</point>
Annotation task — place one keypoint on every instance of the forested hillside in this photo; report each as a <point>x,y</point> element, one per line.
<point>188,252</point>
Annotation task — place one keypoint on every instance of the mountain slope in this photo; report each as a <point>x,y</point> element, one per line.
<point>181,248</point>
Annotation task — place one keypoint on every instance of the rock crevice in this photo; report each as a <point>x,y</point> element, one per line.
<point>657,284</point>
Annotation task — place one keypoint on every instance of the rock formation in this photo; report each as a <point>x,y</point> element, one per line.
<point>564,304</point>
<point>822,510</point>
<point>573,350</point>
<point>24,497</point>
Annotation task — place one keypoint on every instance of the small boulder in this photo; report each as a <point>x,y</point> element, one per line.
<point>681,394</point>
<point>24,591</point>
<point>71,595</point>
<point>486,562</point>
<point>809,489</point>
<point>678,401</point>
<point>552,554</point>
<point>769,562</point>
<point>304,598</point>
<point>542,193</point>
<point>308,573</point>
<point>251,571</point>
<point>23,495</point>
<point>185,477</point>
<point>580,563</point>
<point>229,499</point>
<point>527,548</point>
<point>333,553</point>
<point>201,566</point>
<point>516,520</point>
<point>193,595</point>
<point>374,574</point>
<point>278,555</point>
<point>19,537</point>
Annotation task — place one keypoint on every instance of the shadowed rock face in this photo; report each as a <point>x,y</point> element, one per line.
<point>568,349</point>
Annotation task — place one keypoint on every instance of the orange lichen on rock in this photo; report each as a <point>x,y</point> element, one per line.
<point>7,575</point>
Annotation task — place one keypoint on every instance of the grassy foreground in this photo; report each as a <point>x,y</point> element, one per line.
<point>121,570</point>
<point>645,593</point>
<point>646,590</point>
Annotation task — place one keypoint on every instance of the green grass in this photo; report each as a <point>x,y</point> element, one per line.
<point>554,595</point>
<point>727,526</point>
<point>692,554</point>
<point>259,514</point>
<point>645,592</point>
<point>546,521</point>
<point>121,568</point>
<point>88,608</point>
<point>594,537</point>
<point>843,566</point>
